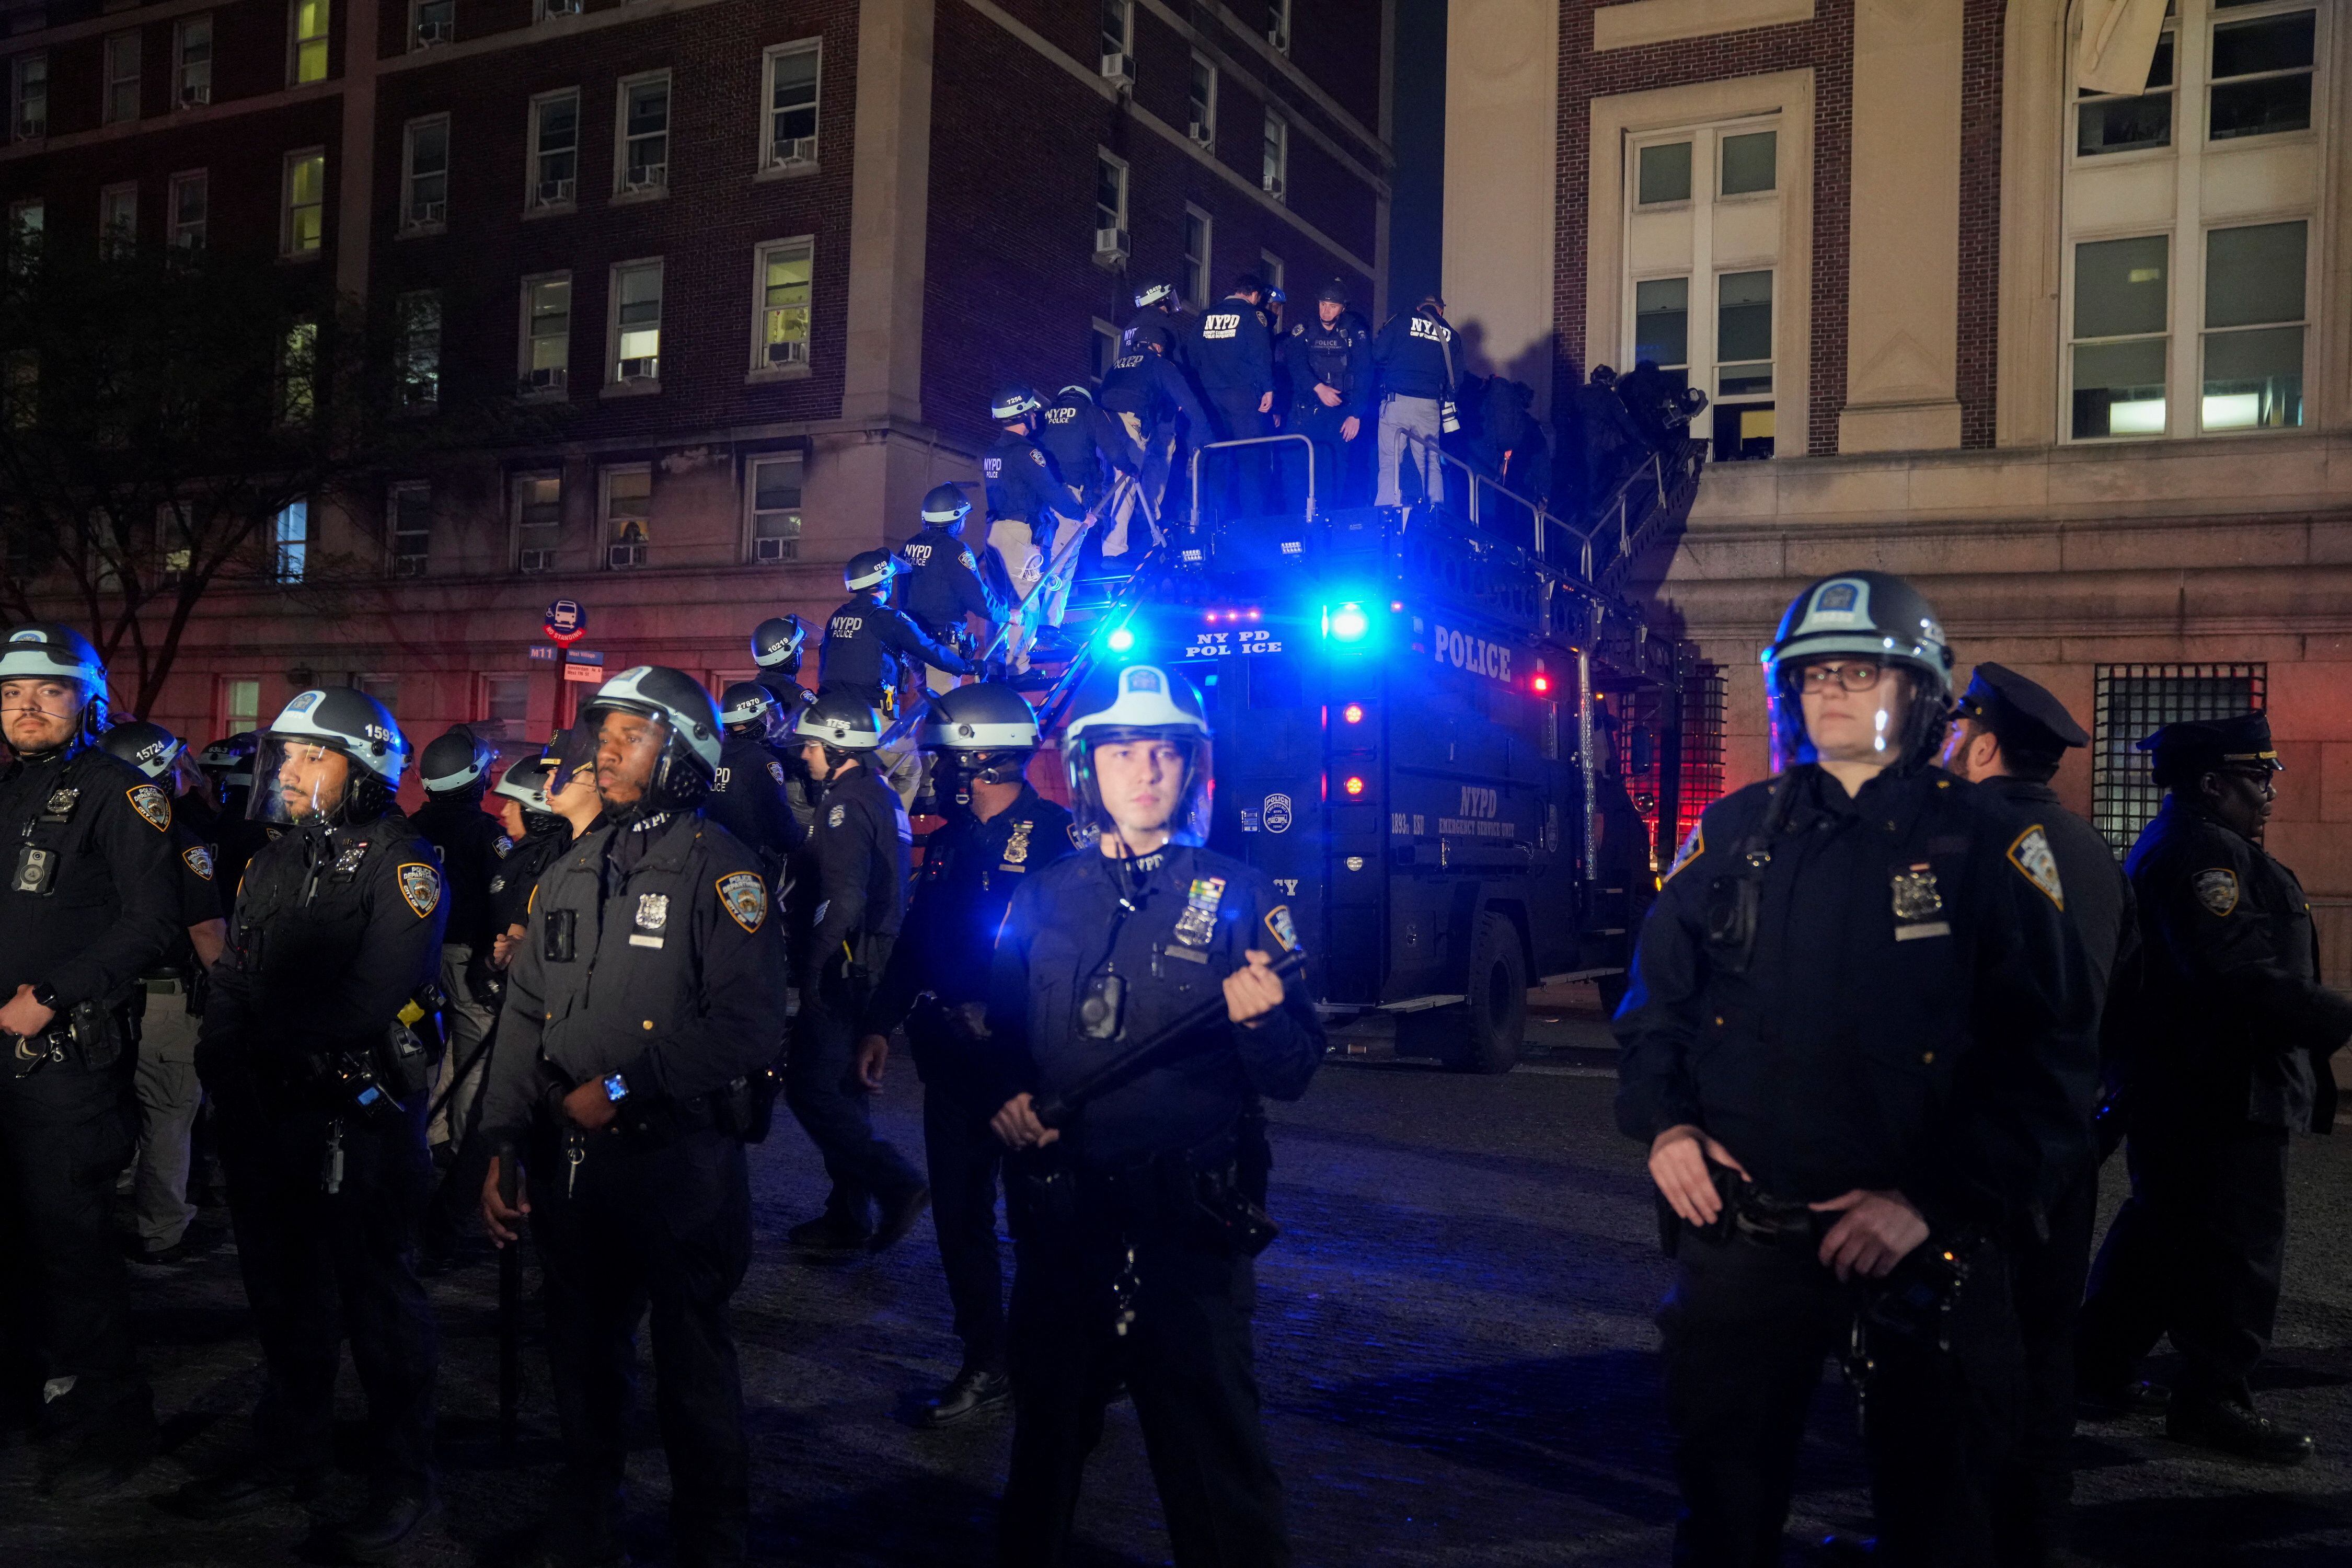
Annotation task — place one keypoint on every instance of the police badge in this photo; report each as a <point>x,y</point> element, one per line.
<point>1016,848</point>
<point>746,898</point>
<point>420,885</point>
<point>1917,904</point>
<point>653,914</point>
<point>1199,920</point>
<point>2216,890</point>
<point>60,804</point>
<point>776,771</point>
<point>153,807</point>
<point>348,860</point>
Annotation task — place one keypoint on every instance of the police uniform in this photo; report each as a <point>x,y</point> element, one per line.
<point>1122,1269</point>
<point>1148,393</point>
<point>91,901</point>
<point>1233,356</point>
<point>1026,505</point>
<point>519,873</point>
<point>858,863</point>
<point>337,927</point>
<point>1414,357</point>
<point>748,800</point>
<point>943,583</point>
<point>166,1011</point>
<point>863,638</point>
<point>472,848</point>
<point>1086,443</point>
<point>1903,1007</point>
<point>2223,1051</point>
<point>937,978</point>
<point>1339,356</point>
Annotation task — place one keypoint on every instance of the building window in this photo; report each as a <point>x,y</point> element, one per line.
<point>432,21</point>
<point>302,222</point>
<point>539,519</point>
<point>1200,103</point>
<point>2129,122</point>
<point>117,218</point>
<point>122,78</point>
<point>425,176</point>
<point>310,64</point>
<point>2133,700</point>
<point>628,511</point>
<point>29,91</point>
<point>1110,208</point>
<point>410,510</point>
<point>291,541</point>
<point>240,705</point>
<point>297,370</point>
<point>385,688</point>
<point>554,151</point>
<point>2254,326</point>
<point>1275,175</point>
<point>774,499</point>
<point>1102,349</point>
<point>419,349</point>
<point>546,335</point>
<point>2122,295</point>
<point>1196,258</point>
<point>1701,307</point>
<point>636,324</point>
<point>549,10</point>
<point>1270,268</point>
<point>1119,40</point>
<point>1277,25</point>
<point>782,328</point>
<point>643,162</point>
<point>27,220</point>
<point>504,711</point>
<point>190,207</point>
<point>2261,75</point>
<point>791,123</point>
<point>191,62</point>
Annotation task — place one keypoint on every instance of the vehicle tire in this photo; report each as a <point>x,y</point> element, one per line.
<point>1493,1018</point>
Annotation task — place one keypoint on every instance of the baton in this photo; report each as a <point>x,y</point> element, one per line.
<point>1057,1109</point>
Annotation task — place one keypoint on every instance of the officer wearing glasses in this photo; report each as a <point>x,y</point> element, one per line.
<point>2225,1051</point>
<point>1857,1046</point>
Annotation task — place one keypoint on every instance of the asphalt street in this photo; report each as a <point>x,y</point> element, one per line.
<point>1456,1354</point>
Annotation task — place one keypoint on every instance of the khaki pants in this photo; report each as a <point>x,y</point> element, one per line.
<point>165,1083</point>
<point>1408,417</point>
<point>469,1024</point>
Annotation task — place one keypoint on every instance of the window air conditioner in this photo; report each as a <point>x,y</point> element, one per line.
<point>195,92</point>
<point>1119,69</point>
<point>787,353</point>
<point>772,550</point>
<point>561,8</point>
<point>1199,134</point>
<point>31,130</point>
<point>646,177</point>
<point>1279,36</point>
<point>431,33</point>
<point>792,153</point>
<point>621,556</point>
<point>1274,187</point>
<point>645,369</point>
<point>537,561</point>
<point>422,213</point>
<point>1110,243</point>
<point>547,378</point>
<point>552,192</point>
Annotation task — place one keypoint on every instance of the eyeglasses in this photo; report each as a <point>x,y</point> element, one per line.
<point>1859,677</point>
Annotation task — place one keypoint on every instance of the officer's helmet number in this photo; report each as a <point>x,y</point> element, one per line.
<point>1225,644</point>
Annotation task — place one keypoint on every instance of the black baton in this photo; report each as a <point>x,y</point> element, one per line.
<point>1057,1109</point>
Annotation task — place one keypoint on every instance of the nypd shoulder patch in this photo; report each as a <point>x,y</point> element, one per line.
<point>153,807</point>
<point>198,859</point>
<point>1281,927</point>
<point>502,847</point>
<point>776,771</point>
<point>2031,856</point>
<point>836,817</point>
<point>745,897</point>
<point>1079,837</point>
<point>2216,890</point>
<point>420,885</point>
<point>1694,846</point>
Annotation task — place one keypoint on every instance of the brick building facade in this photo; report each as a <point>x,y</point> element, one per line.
<point>2079,365</point>
<point>763,263</point>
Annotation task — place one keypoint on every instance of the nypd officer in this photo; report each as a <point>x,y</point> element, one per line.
<point>1136,1225</point>
<point>1233,356</point>
<point>551,800</point>
<point>1330,364</point>
<point>166,1008</point>
<point>2009,736</point>
<point>92,902</point>
<point>1148,393</point>
<point>851,911</point>
<point>1027,502</point>
<point>318,1080</point>
<point>227,768</point>
<point>936,984</point>
<point>1087,444</point>
<point>865,639</point>
<point>2225,1051</point>
<point>455,769</point>
<point>748,795</point>
<point>1156,306</point>
<point>944,589</point>
<point>1856,1044</point>
<point>776,645</point>
<point>627,1106</point>
<point>1413,356</point>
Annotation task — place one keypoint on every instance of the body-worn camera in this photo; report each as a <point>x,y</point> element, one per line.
<point>1100,1005</point>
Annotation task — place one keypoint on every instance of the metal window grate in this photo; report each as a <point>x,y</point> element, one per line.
<point>2133,699</point>
<point>1702,782</point>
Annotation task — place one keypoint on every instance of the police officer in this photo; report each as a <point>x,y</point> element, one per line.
<point>1331,363</point>
<point>1135,1226</point>
<point>747,795</point>
<point>627,1106</point>
<point>864,638</point>
<point>2225,1048</point>
<point>164,1008</point>
<point>1233,356</point>
<point>455,771</point>
<point>318,1078</point>
<point>1413,356</point>
<point>1027,502</point>
<point>1149,395</point>
<point>1156,305</point>
<point>2009,736</point>
<point>227,765</point>
<point>936,984</point>
<point>944,585</point>
<point>90,903</point>
<point>552,800</point>
<point>1857,1044</point>
<point>851,911</point>
<point>1088,445</point>
<point>776,645</point>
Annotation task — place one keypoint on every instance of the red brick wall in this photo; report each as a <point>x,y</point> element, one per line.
<point>1980,331</point>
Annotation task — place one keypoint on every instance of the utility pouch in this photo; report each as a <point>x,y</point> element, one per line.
<point>1225,1216</point>
<point>404,1064</point>
<point>96,1034</point>
<point>746,1107</point>
<point>558,935</point>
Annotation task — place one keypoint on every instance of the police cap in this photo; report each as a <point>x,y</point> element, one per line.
<point>2181,752</point>
<point>2032,726</point>
<point>1332,293</point>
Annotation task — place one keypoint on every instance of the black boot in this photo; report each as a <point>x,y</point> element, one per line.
<point>899,1218</point>
<point>972,1390</point>
<point>258,1482</point>
<point>2234,1428</point>
<point>392,1516</point>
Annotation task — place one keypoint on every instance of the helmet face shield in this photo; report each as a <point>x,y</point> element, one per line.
<point>1185,797</point>
<point>298,778</point>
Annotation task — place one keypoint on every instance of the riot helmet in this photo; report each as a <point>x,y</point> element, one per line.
<point>988,728</point>
<point>229,761</point>
<point>1335,292</point>
<point>1083,394</point>
<point>43,650</point>
<point>840,723</point>
<point>1865,615</point>
<point>1150,334</point>
<point>1011,403</point>
<point>871,569</point>
<point>776,643</point>
<point>150,748</point>
<point>945,506</point>
<point>1155,296</point>
<point>688,763</point>
<point>525,783</point>
<point>456,763</point>
<point>1137,702</point>
<point>340,719</point>
<point>748,709</point>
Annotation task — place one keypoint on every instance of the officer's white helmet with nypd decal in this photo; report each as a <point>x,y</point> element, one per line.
<point>945,506</point>
<point>1861,615</point>
<point>839,723</point>
<point>42,650</point>
<point>683,707</point>
<point>869,568</point>
<point>1137,702</point>
<point>988,730</point>
<point>340,719</point>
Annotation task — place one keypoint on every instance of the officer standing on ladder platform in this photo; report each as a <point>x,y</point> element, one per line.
<point>318,1045</point>
<point>944,585</point>
<point>627,1107</point>
<point>866,637</point>
<point>1027,503</point>
<point>92,902</point>
<point>776,645</point>
<point>1232,355</point>
<point>1857,1043</point>
<point>1331,361</point>
<point>1149,393</point>
<point>1414,358</point>
<point>936,984</point>
<point>1136,1224</point>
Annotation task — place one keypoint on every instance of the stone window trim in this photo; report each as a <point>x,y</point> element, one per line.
<point>774,159</point>
<point>656,184</point>
<point>545,197</point>
<point>760,370</point>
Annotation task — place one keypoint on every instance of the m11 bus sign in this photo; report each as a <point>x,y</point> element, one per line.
<point>567,622</point>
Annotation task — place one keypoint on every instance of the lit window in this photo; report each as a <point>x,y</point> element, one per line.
<point>310,18</point>
<point>292,541</point>
<point>1274,176</point>
<point>1110,208</point>
<point>122,78</point>
<point>117,218</point>
<point>1196,258</point>
<point>432,21</point>
<point>2122,288</point>
<point>645,137</point>
<point>2129,122</point>
<point>628,513</point>
<point>298,369</point>
<point>636,322</point>
<point>411,509</point>
<point>28,86</point>
<point>775,504</point>
<point>2254,327</point>
<point>2261,76</point>
<point>555,149</point>
<point>419,349</point>
<point>240,705</point>
<point>792,107</point>
<point>191,62</point>
<point>1200,103</point>
<point>546,335</point>
<point>425,175</point>
<point>303,228</point>
<point>539,519</point>
<point>191,209</point>
<point>784,291</point>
